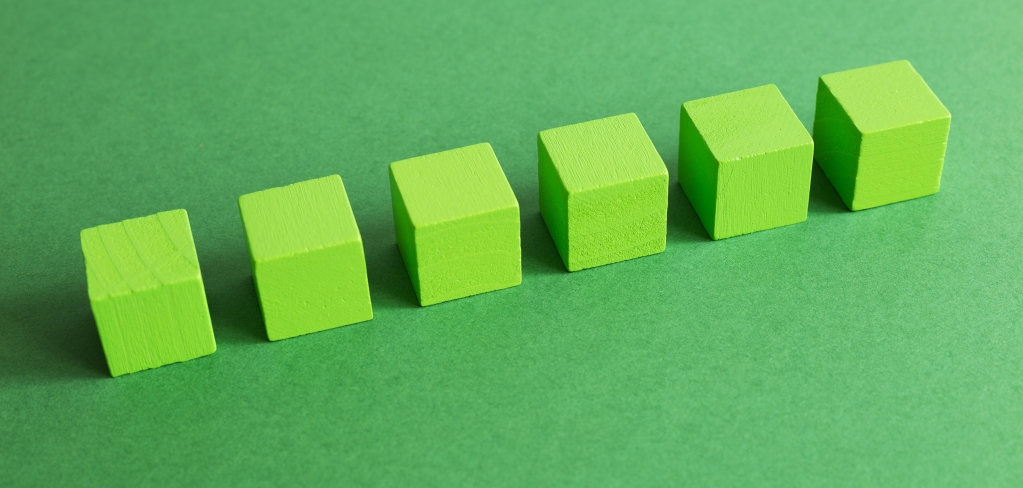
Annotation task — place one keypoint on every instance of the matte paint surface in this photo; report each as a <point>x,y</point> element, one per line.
<point>876,348</point>
<point>457,223</point>
<point>745,161</point>
<point>603,191</point>
<point>308,263</point>
<point>881,134</point>
<point>146,292</point>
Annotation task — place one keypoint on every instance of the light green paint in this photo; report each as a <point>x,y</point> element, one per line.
<point>307,257</point>
<point>603,191</point>
<point>744,161</point>
<point>880,134</point>
<point>456,220</point>
<point>147,292</point>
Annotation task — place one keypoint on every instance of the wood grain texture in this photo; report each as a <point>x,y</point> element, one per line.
<point>457,223</point>
<point>603,191</point>
<point>146,292</point>
<point>881,134</point>
<point>745,161</point>
<point>307,257</point>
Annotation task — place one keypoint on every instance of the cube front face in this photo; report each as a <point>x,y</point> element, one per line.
<point>616,223</point>
<point>470,256</point>
<point>763,192</point>
<point>603,191</point>
<point>457,224</point>
<point>151,328</point>
<point>881,134</point>
<point>307,258</point>
<point>146,292</point>
<point>745,161</point>
<point>313,291</point>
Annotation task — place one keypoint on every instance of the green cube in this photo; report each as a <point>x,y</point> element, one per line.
<point>603,191</point>
<point>457,223</point>
<point>307,257</point>
<point>146,292</point>
<point>744,161</point>
<point>881,134</point>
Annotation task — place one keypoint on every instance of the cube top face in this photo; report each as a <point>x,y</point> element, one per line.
<point>452,185</point>
<point>602,153</point>
<point>297,218</point>
<point>885,96</point>
<point>139,254</point>
<point>746,123</point>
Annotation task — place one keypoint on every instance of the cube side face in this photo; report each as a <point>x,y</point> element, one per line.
<point>697,171</point>
<point>404,233</point>
<point>152,328</point>
<point>900,164</point>
<point>553,200</point>
<point>836,143</point>
<point>313,291</point>
<point>617,223</point>
<point>763,192</point>
<point>469,256</point>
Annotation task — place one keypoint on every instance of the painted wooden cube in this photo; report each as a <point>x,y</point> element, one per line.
<point>307,257</point>
<point>603,191</point>
<point>457,223</point>
<point>146,292</point>
<point>744,161</point>
<point>880,134</point>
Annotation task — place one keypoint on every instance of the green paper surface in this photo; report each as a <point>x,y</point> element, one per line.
<point>874,348</point>
<point>456,223</point>
<point>744,161</point>
<point>146,292</point>
<point>603,191</point>
<point>881,134</point>
<point>307,257</point>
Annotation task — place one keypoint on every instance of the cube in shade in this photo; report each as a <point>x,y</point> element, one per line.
<point>146,292</point>
<point>744,161</point>
<point>307,257</point>
<point>457,223</point>
<point>603,191</point>
<point>881,134</point>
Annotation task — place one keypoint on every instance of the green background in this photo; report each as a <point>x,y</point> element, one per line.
<point>874,348</point>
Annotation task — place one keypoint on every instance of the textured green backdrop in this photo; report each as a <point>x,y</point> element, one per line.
<point>875,348</point>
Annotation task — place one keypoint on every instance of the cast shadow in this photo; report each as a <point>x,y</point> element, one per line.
<point>389,283</point>
<point>51,335</point>
<point>683,223</point>
<point>231,295</point>
<point>823,197</point>
<point>539,254</point>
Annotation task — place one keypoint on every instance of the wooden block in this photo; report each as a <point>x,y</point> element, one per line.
<point>146,292</point>
<point>457,223</point>
<point>603,191</point>
<point>744,161</point>
<point>881,134</point>
<point>307,257</point>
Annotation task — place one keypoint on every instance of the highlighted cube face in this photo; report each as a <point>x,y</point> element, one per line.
<point>146,292</point>
<point>881,134</point>
<point>307,257</point>
<point>603,191</point>
<point>457,223</point>
<point>744,161</point>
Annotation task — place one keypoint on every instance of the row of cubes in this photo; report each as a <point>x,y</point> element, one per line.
<point>745,162</point>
